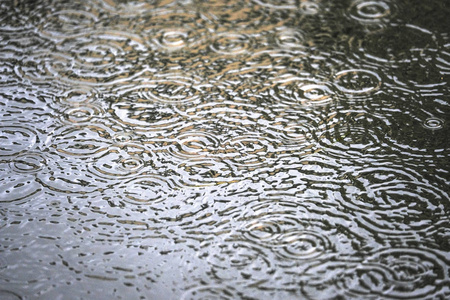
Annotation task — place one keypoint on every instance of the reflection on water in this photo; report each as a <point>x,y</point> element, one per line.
<point>224,149</point>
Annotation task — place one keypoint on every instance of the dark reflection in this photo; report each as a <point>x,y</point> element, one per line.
<point>224,149</point>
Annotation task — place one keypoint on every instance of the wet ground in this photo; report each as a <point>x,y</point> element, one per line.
<point>224,149</point>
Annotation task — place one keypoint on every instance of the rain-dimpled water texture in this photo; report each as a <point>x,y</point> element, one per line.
<point>260,149</point>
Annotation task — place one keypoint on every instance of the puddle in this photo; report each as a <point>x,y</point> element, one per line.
<point>224,149</point>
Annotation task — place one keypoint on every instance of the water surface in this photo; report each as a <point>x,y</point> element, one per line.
<point>224,149</point>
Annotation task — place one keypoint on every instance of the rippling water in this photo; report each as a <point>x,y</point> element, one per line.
<point>224,149</point>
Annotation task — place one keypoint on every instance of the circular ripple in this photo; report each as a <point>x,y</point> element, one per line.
<point>316,94</point>
<point>133,8</point>
<point>302,245</point>
<point>82,142</point>
<point>416,273</point>
<point>262,231</point>
<point>28,163</point>
<point>67,23</point>
<point>309,7</point>
<point>298,133</point>
<point>394,203</point>
<point>168,88</point>
<point>289,38</point>
<point>357,81</point>
<point>43,67</point>
<point>16,139</point>
<point>96,58</point>
<point>433,123</point>
<point>76,96</point>
<point>147,190</point>
<point>355,139</point>
<point>237,260</point>
<point>146,116</point>
<point>124,138</point>
<point>195,145</point>
<point>231,44</point>
<point>119,164</point>
<point>173,39</point>
<point>81,114</point>
<point>294,90</point>
<point>395,273</point>
<point>398,43</point>
<point>278,4</point>
<point>295,230</point>
<point>170,31</point>
<point>249,151</point>
<point>207,172</point>
<point>370,11</point>
<point>210,292</point>
<point>18,187</point>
